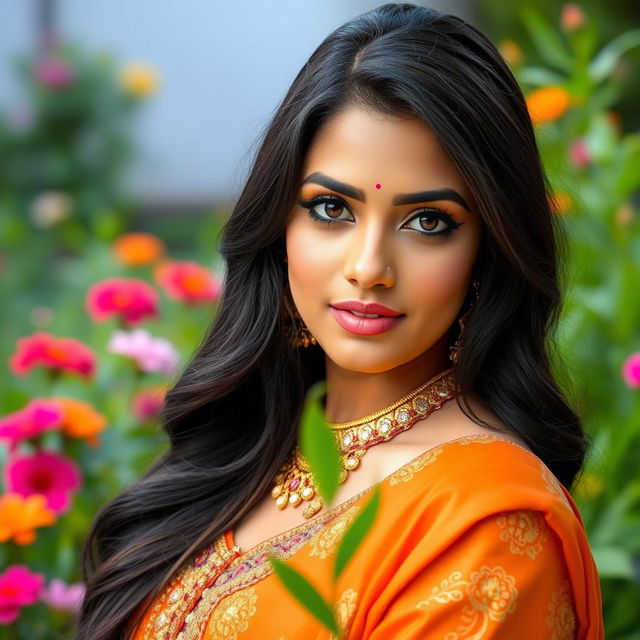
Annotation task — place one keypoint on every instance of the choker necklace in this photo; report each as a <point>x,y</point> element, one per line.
<point>294,482</point>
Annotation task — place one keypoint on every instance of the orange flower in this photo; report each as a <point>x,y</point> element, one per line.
<point>59,354</point>
<point>561,202</point>
<point>511,52</point>
<point>187,281</point>
<point>548,104</point>
<point>80,420</point>
<point>19,516</point>
<point>138,248</point>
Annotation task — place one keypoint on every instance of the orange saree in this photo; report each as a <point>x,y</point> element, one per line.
<point>474,539</point>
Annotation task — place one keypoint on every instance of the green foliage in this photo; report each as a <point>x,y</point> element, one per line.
<point>321,453</point>
<point>592,166</point>
<point>66,146</point>
<point>308,596</point>
<point>318,444</point>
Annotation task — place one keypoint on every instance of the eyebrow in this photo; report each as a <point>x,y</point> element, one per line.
<point>400,198</point>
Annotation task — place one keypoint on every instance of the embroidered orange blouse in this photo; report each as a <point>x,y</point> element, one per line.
<point>474,539</point>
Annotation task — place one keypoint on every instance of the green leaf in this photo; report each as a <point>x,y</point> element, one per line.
<point>548,43</point>
<point>540,77</point>
<point>613,562</point>
<point>605,60</point>
<point>305,593</point>
<point>356,533</point>
<point>318,444</point>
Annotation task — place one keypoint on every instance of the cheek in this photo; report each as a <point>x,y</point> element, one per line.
<point>309,259</point>
<point>442,280</point>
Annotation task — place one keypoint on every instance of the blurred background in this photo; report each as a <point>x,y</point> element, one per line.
<point>126,133</point>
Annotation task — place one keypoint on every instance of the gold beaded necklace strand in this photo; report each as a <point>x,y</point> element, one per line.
<point>294,482</point>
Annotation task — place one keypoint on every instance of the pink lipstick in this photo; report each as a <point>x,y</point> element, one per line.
<point>351,315</point>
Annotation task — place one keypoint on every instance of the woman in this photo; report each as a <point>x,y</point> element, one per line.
<point>395,238</point>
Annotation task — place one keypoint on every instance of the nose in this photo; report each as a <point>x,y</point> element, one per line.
<point>367,262</point>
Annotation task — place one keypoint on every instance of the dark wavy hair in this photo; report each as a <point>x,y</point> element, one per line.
<point>232,416</point>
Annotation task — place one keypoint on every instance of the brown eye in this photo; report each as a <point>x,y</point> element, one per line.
<point>429,223</point>
<point>333,208</point>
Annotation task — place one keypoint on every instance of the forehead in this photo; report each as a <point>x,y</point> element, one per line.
<point>370,146</point>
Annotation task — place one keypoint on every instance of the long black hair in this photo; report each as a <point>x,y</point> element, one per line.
<point>232,416</point>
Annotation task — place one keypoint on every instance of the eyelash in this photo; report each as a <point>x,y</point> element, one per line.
<point>428,212</point>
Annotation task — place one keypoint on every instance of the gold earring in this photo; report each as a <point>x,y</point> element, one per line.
<point>454,350</point>
<point>298,333</point>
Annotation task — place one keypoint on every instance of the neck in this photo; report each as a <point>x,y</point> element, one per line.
<point>353,394</point>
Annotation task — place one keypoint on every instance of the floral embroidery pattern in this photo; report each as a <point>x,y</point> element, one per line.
<point>561,614</point>
<point>344,609</point>
<point>407,471</point>
<point>232,615</point>
<point>525,531</point>
<point>326,542</point>
<point>491,595</point>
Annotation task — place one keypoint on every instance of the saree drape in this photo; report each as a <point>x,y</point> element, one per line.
<point>474,539</point>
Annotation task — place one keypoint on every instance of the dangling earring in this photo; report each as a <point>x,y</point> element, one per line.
<point>305,337</point>
<point>298,332</point>
<point>454,350</point>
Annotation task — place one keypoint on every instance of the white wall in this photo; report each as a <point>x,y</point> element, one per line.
<point>224,68</point>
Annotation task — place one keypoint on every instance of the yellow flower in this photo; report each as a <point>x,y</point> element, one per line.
<point>511,52</point>
<point>547,104</point>
<point>139,79</point>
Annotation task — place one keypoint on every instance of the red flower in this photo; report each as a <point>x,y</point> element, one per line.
<point>131,299</point>
<point>58,354</point>
<point>30,421</point>
<point>187,282</point>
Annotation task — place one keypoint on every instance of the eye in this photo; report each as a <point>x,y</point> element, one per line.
<point>332,207</point>
<point>434,222</point>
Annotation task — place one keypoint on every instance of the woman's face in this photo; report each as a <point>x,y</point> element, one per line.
<point>379,238</point>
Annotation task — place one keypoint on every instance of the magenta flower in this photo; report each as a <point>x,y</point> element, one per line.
<point>54,72</point>
<point>63,597</point>
<point>579,153</point>
<point>18,587</point>
<point>631,370</point>
<point>150,354</point>
<point>33,419</point>
<point>131,299</point>
<point>148,403</point>
<point>47,473</point>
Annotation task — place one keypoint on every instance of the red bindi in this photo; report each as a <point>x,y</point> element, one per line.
<point>378,186</point>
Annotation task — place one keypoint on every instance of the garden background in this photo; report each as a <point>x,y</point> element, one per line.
<point>107,282</point>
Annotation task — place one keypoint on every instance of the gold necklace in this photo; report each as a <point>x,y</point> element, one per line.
<point>294,482</point>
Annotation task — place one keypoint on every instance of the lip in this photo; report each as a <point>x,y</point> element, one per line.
<point>364,326</point>
<point>364,307</point>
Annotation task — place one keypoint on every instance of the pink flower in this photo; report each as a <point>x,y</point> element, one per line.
<point>131,299</point>
<point>54,72</point>
<point>187,281</point>
<point>631,370</point>
<point>56,354</point>
<point>579,153</point>
<point>63,597</point>
<point>151,354</point>
<point>18,587</point>
<point>28,422</point>
<point>148,403</point>
<point>46,473</point>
